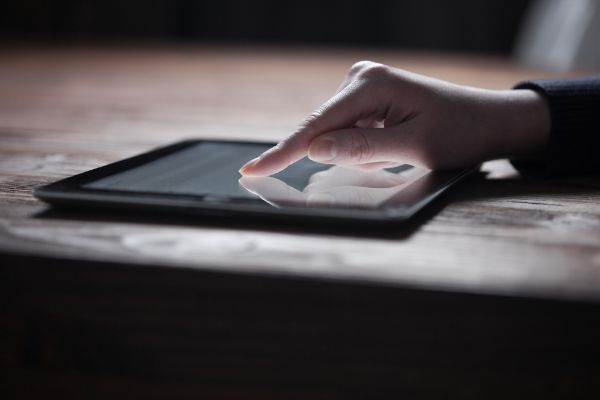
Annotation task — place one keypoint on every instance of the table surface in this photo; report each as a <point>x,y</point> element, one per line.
<point>491,291</point>
<point>67,109</point>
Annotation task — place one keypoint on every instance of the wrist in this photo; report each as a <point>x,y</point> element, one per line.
<point>519,121</point>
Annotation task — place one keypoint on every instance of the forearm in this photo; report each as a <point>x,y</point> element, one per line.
<point>518,121</point>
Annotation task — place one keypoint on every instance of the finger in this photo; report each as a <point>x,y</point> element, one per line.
<point>364,145</point>
<point>341,111</point>
<point>353,73</point>
<point>344,83</point>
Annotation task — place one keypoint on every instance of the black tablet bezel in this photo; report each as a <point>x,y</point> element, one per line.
<point>71,191</point>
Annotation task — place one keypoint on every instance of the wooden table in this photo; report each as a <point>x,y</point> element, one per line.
<point>492,291</point>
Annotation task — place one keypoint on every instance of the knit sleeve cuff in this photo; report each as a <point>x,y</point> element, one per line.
<point>574,142</point>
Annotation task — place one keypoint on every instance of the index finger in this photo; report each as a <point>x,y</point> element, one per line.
<point>341,111</point>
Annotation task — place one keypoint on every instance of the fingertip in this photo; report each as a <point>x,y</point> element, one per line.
<point>245,172</point>
<point>247,168</point>
<point>260,166</point>
<point>261,170</point>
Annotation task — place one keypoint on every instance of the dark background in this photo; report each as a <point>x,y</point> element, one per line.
<point>462,25</point>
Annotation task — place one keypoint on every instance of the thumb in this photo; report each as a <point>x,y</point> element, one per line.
<point>359,146</point>
<point>341,111</point>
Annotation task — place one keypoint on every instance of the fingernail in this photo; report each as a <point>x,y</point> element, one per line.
<point>248,166</point>
<point>322,150</point>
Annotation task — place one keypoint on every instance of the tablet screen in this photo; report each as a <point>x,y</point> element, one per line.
<point>210,170</point>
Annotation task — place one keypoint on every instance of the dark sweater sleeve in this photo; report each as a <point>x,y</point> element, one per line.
<point>574,145</point>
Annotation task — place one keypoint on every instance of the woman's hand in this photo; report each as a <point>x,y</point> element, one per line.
<point>382,115</point>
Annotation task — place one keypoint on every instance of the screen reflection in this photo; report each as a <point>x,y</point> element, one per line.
<point>336,187</point>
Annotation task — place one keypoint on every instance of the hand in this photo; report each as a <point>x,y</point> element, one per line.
<point>337,186</point>
<point>382,115</point>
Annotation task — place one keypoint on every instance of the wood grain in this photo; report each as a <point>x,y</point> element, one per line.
<point>504,272</point>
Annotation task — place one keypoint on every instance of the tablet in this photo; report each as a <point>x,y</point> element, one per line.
<point>201,178</point>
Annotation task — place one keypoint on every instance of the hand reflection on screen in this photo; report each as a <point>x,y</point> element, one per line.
<point>335,187</point>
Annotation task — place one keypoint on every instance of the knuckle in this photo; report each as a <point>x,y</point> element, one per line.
<point>359,66</point>
<point>315,118</point>
<point>283,143</point>
<point>368,69</point>
<point>309,123</point>
<point>373,71</point>
<point>360,150</point>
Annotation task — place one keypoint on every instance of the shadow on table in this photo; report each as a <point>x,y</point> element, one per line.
<point>523,189</point>
<point>402,231</point>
